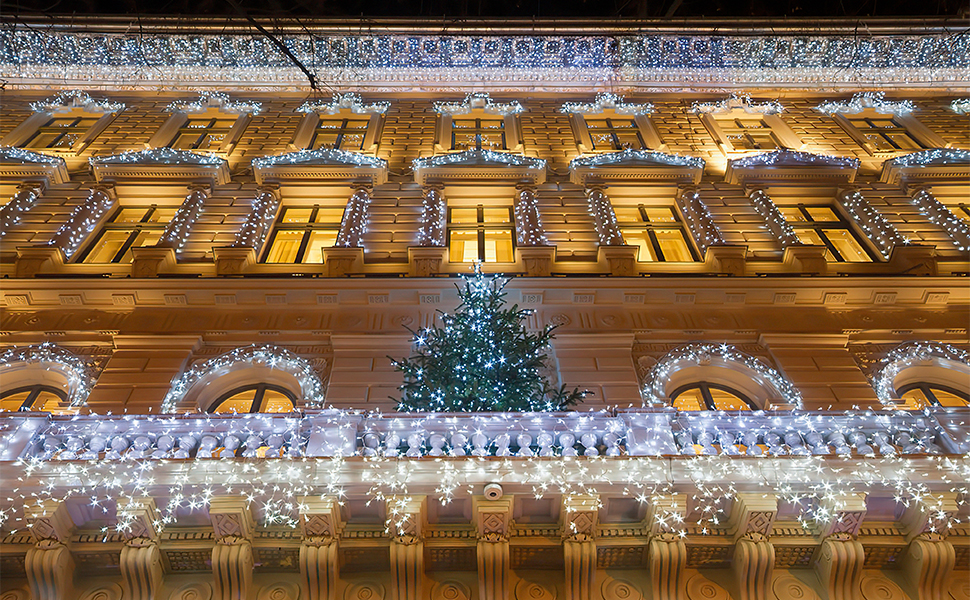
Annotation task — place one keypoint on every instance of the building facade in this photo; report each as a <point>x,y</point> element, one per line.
<point>753,241</point>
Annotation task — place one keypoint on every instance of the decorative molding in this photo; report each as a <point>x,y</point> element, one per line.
<point>933,166</point>
<point>340,102</point>
<point>65,102</point>
<point>635,166</point>
<point>608,101</point>
<point>866,100</point>
<point>24,165</point>
<point>80,374</point>
<point>791,165</point>
<point>911,354</point>
<point>161,163</point>
<point>476,165</point>
<point>321,165</point>
<point>477,101</point>
<point>210,99</point>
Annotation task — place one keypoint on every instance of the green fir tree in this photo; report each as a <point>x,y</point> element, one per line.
<point>481,358</point>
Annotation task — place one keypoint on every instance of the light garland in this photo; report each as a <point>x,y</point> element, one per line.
<point>12,212</point>
<point>477,101</point>
<point>80,375</point>
<point>695,353</point>
<point>604,217</point>
<point>629,155</point>
<point>320,156</point>
<point>961,106</point>
<point>937,213</point>
<point>255,355</point>
<point>67,101</point>
<point>353,226</point>
<point>873,224</point>
<point>775,221</point>
<point>933,157</point>
<point>475,156</point>
<point>738,101</point>
<point>210,99</point>
<point>82,221</point>
<point>863,100</point>
<point>699,220</point>
<point>14,155</point>
<point>777,158</point>
<point>433,225</point>
<point>260,219</point>
<point>349,101</point>
<point>910,354</point>
<point>158,156</point>
<point>177,231</point>
<point>528,222</point>
<point>608,101</point>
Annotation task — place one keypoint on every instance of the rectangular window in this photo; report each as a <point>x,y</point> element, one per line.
<point>131,227</point>
<point>748,133</point>
<point>614,133</point>
<point>341,134</point>
<point>823,226</point>
<point>301,234</point>
<point>60,132</point>
<point>480,233</point>
<point>657,230</point>
<point>203,133</point>
<point>884,133</point>
<point>478,133</point>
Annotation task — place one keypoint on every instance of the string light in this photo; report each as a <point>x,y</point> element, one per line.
<point>349,101</point>
<point>784,158</point>
<point>477,101</point>
<point>210,99</point>
<point>433,225</point>
<point>477,157</point>
<point>177,231</point>
<point>604,217</point>
<point>608,101</point>
<point>14,155</point>
<point>936,212</point>
<point>82,221</point>
<point>74,99</point>
<point>320,156</point>
<point>873,224</point>
<point>256,355</point>
<point>528,223</point>
<point>642,157</point>
<point>932,158</point>
<point>253,231</point>
<point>775,221</point>
<point>158,156</point>
<point>911,354</point>
<point>699,220</point>
<point>961,106</point>
<point>80,374</point>
<point>863,100</point>
<point>738,101</point>
<point>354,223</point>
<point>12,212</point>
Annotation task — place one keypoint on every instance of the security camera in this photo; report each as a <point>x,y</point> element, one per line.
<point>493,491</point>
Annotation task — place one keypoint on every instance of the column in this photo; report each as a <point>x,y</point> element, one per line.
<point>719,256</point>
<point>141,560</point>
<point>347,253</point>
<point>426,258</point>
<point>532,247</point>
<point>49,566</point>
<point>939,214</point>
<point>22,201</point>
<point>798,257</point>
<point>492,518</point>
<point>83,220</point>
<point>579,545</point>
<point>177,230</point>
<point>604,218</point>
<point>320,524</point>
<point>840,557</point>
<point>232,555</point>
<point>930,559</point>
<point>238,257</point>
<point>751,519</point>
<point>406,516</point>
<point>667,552</point>
<point>874,226</point>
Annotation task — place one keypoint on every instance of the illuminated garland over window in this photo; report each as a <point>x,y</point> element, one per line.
<point>66,101</point>
<point>630,155</point>
<point>863,100</point>
<point>604,218</point>
<point>255,355</point>
<point>209,99</point>
<point>433,223</point>
<point>699,220</point>
<point>873,224</point>
<point>478,156</point>
<point>477,101</point>
<point>908,355</point>
<point>80,375</point>
<point>12,212</point>
<point>354,223</point>
<point>936,212</point>
<point>961,106</point>
<point>177,231</point>
<point>528,223</point>
<point>261,215</point>
<point>158,156</point>
<point>12,154</point>
<point>775,221</point>
<point>349,101</point>
<point>793,157</point>
<point>738,101</point>
<point>84,218</point>
<point>933,157</point>
<point>606,101</point>
<point>320,155</point>
<point>696,353</point>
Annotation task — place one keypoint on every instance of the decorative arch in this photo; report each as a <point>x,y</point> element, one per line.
<point>259,363</point>
<point>925,362</point>
<point>721,364</point>
<point>48,364</point>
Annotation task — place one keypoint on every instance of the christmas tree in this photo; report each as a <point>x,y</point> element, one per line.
<point>481,358</point>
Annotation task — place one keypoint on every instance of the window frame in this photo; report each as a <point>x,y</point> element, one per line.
<point>481,226</point>
<point>308,228</point>
<point>927,389</point>
<point>306,130</point>
<point>169,132</point>
<point>30,128</point>
<point>444,130</point>
<point>913,127</point>
<point>649,227</point>
<point>646,131</point>
<point>136,230</point>
<point>35,390</point>
<point>258,398</point>
<point>783,135</point>
<point>705,389</point>
<point>478,131</point>
<point>821,226</point>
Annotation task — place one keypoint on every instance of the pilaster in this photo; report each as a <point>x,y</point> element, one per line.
<point>232,556</point>
<point>752,517</point>
<point>930,558</point>
<point>407,516</point>
<point>492,519</point>
<point>579,544</point>
<point>141,560</point>
<point>320,524</point>
<point>840,557</point>
<point>48,564</point>
<point>667,552</point>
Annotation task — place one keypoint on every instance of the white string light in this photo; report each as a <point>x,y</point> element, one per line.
<point>643,157</point>
<point>777,158</point>
<point>961,106</point>
<point>82,221</point>
<point>933,157</point>
<point>775,221</point>
<point>12,212</point>
<point>331,156</point>
<point>477,101</point>
<point>937,213</point>
<point>528,223</point>
<point>875,226</point>
<point>177,231</point>
<point>699,220</point>
<point>353,226</point>
<point>349,101</point>
<point>476,157</point>
<point>74,99</point>
<point>608,101</point>
<point>260,219</point>
<point>80,374</point>
<point>910,354</point>
<point>863,100</point>
<point>158,156</point>
<point>738,101</point>
<point>14,155</point>
<point>604,217</point>
<point>210,99</point>
<point>433,223</point>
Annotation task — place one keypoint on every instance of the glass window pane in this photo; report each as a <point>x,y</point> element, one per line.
<point>187,140</point>
<point>638,237</point>
<point>162,215</point>
<point>498,246</point>
<point>464,215</point>
<point>239,403</point>
<point>47,401</point>
<point>904,141</point>
<point>689,400</point>
<point>130,215</point>
<point>13,402</point>
<point>725,400</point>
<point>297,215</point>
<point>330,215</point>
<point>318,241</point>
<point>463,123</point>
<point>146,237</point>
<point>948,399</point>
<point>627,214</point>
<point>276,402</point>
<point>660,215</point>
<point>915,399</point>
<point>286,245</point>
<point>108,246</point>
<point>463,246</point>
<point>791,213</point>
<point>847,245</point>
<point>822,213</point>
<point>324,139</point>
<point>496,215</point>
<point>673,245</point>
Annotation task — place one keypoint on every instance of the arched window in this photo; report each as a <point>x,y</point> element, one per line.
<point>709,396</point>
<point>32,398</point>
<point>261,398</point>
<point>921,394</point>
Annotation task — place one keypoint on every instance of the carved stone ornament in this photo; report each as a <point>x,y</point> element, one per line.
<point>880,588</point>
<point>530,590</point>
<point>702,588</point>
<point>451,590</point>
<point>279,591</point>
<point>787,587</point>
<point>365,591</point>
<point>193,591</point>
<point>111,591</point>
<point>617,589</point>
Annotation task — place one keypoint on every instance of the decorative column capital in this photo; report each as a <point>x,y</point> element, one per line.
<point>139,518</point>
<point>231,518</point>
<point>580,513</point>
<point>49,520</point>
<point>492,519</point>
<point>752,516</point>
<point>846,513</point>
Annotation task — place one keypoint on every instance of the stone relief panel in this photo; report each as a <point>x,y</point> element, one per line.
<point>702,588</point>
<point>530,590</point>
<point>365,591</point>
<point>280,591</point>
<point>193,591</point>
<point>112,591</point>
<point>450,590</point>
<point>787,587</point>
<point>617,589</point>
<point>879,588</point>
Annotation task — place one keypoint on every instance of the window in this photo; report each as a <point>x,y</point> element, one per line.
<point>748,132</point>
<point>478,133</point>
<point>301,234</point>
<point>477,123</point>
<point>920,395</point>
<point>61,133</point>
<point>884,133</point>
<point>201,132</point>
<point>657,230</point>
<point>131,227</point>
<point>67,122</point>
<point>480,233</point>
<point>822,226</point>
<point>709,396</point>
<point>614,132</point>
<point>340,133</point>
<point>260,398</point>
<point>212,123</point>
<point>33,397</point>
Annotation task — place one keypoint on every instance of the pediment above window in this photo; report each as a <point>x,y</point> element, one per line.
<point>20,164</point>
<point>324,164</point>
<point>161,163</point>
<point>66,102</point>
<point>340,103</point>
<point>783,165</point>
<point>479,165</point>
<point>636,165</point>
<point>935,164</point>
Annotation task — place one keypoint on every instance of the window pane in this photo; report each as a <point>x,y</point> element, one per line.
<point>904,141</point>
<point>791,213</point>
<point>689,400</point>
<point>13,402</point>
<point>187,140</point>
<point>240,403</point>
<point>915,399</point>
<point>822,213</point>
<point>498,246</point>
<point>464,215</point>
<point>163,215</point>
<point>638,237</point>
<point>330,215</point>
<point>660,215</point>
<point>627,214</point>
<point>108,246</point>
<point>948,399</point>
<point>297,215</point>
<point>673,245</point>
<point>130,215</point>
<point>463,246</point>
<point>847,245</point>
<point>276,402</point>
<point>286,245</point>
<point>724,400</point>
<point>463,124</point>
<point>147,237</point>
<point>318,241</point>
<point>46,401</point>
<point>812,237</point>
<point>496,215</point>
